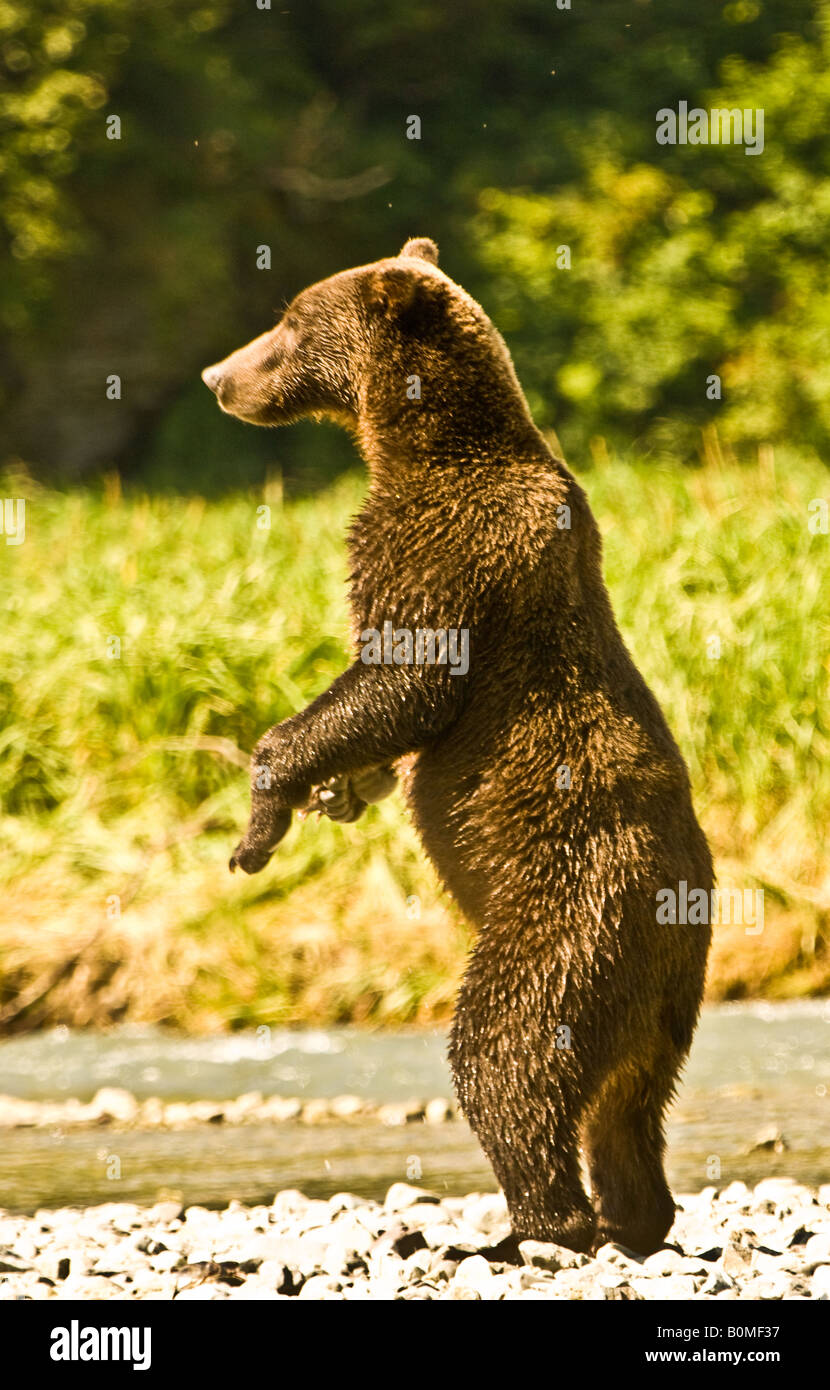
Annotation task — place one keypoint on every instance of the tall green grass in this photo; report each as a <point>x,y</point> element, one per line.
<point>121,784</point>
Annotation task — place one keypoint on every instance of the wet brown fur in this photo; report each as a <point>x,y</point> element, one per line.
<point>463,528</point>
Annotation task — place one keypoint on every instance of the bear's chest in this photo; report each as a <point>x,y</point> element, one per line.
<point>406,568</point>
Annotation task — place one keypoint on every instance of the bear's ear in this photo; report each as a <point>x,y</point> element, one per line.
<point>393,290</point>
<point>422,248</point>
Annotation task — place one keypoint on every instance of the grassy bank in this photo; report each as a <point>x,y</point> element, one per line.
<point>147,643</point>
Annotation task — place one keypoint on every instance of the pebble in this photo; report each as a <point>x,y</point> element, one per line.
<point>770,1140</point>
<point>674,1287</point>
<point>770,1243</point>
<point>549,1256</point>
<point>816,1251</point>
<point>488,1214</point>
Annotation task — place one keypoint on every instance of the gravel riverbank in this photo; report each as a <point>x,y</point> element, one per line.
<point>769,1243</point>
<point>112,1105</point>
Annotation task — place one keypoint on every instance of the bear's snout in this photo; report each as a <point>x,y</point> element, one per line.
<point>243,383</point>
<point>225,383</point>
<point>212,376</point>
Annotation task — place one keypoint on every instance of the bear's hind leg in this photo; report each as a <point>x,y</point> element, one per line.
<point>624,1146</point>
<point>521,1096</point>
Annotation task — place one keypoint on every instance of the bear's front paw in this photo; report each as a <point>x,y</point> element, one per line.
<point>251,858</point>
<point>336,799</point>
<point>254,850</point>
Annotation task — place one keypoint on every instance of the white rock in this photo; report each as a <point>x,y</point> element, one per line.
<point>766,1286</point>
<point>402,1194</point>
<point>547,1255</point>
<point>345,1107</point>
<point>474,1273</point>
<point>315,1112</point>
<point>349,1236</point>
<point>486,1212</point>
<point>676,1286</point>
<point>346,1201</point>
<point>614,1254</point>
<point>509,1282</point>
<point>145,1280</point>
<point>383,1288</point>
<point>164,1213</point>
<point>280,1108</point>
<point>764,1263</point>
<point>199,1216</point>
<point>88,1286</point>
<point>14,1112</point>
<point>243,1106</point>
<point>165,1261</point>
<point>418,1264</point>
<point>769,1187</point>
<point>451,1233</point>
<point>785,1193</point>
<point>359,1293</point>
<point>716,1283</point>
<point>816,1251</point>
<point>321,1286</point>
<point>289,1202</point>
<point>387,1269</point>
<point>38,1291</point>
<point>424,1214</point>
<point>581,1285</point>
<point>116,1257</point>
<point>254,1289</point>
<point>737,1192</point>
<point>457,1204</point>
<point>671,1262</point>
<point>693,1201</point>
<point>314,1215</point>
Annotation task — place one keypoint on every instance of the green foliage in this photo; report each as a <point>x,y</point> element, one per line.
<point>703,261</point>
<point>243,127</point>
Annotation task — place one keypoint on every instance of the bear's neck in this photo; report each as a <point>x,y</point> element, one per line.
<point>460,424</point>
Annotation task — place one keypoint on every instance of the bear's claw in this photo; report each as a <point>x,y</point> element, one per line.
<point>336,799</point>
<point>248,859</point>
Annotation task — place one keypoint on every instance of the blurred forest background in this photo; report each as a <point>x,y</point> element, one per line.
<point>244,127</point>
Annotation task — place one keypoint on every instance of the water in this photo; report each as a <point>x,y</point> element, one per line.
<point>380,1066</point>
<point>752,1066</point>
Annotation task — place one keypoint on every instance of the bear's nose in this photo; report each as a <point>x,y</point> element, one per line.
<point>212,376</point>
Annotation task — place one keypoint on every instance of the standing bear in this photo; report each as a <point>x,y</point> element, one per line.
<point>544,782</point>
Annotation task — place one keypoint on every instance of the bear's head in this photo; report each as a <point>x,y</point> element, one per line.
<point>350,344</point>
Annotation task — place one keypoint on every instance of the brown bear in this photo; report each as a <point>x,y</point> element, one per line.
<point>544,781</point>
